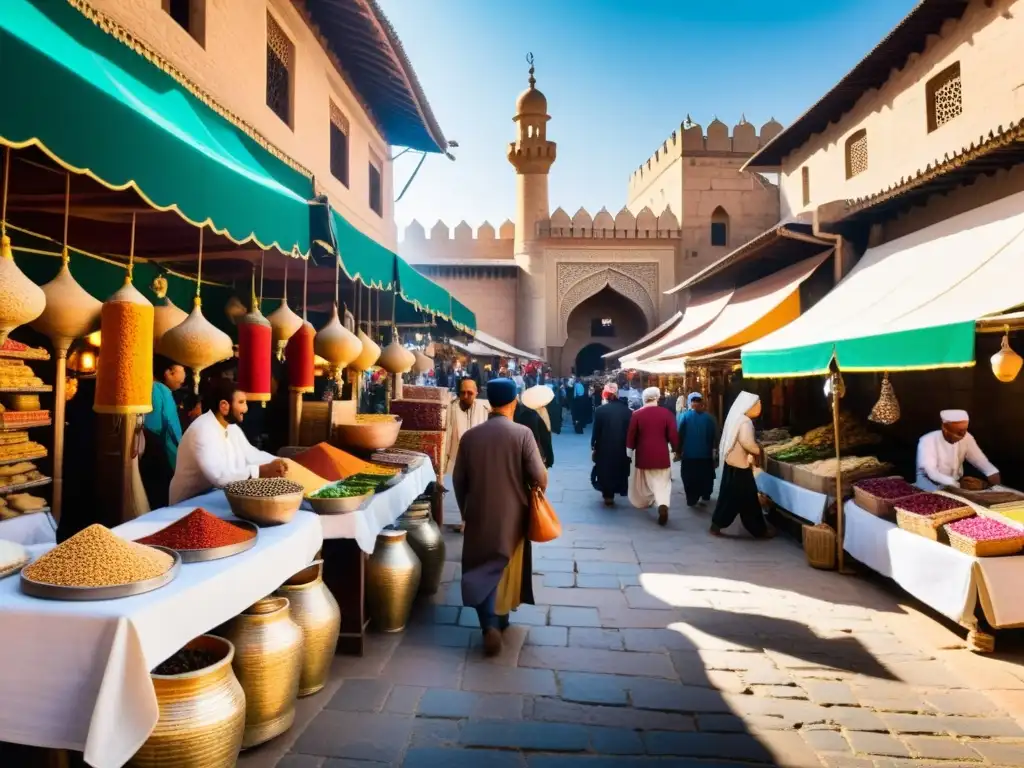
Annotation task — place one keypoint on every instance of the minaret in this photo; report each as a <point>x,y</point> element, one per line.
<point>531,154</point>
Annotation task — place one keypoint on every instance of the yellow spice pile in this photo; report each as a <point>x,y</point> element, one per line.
<point>95,557</point>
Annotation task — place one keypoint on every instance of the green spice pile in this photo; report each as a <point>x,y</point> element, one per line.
<point>95,557</point>
<point>186,660</point>
<point>339,491</point>
<point>263,487</point>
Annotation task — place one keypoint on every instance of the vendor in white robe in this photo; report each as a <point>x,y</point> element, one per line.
<point>941,455</point>
<point>465,413</point>
<point>214,451</point>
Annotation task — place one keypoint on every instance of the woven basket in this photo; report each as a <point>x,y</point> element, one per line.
<point>928,525</point>
<point>820,546</point>
<point>996,548</point>
<point>980,642</point>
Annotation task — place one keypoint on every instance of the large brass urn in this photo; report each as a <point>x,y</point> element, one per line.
<point>202,714</point>
<point>427,542</point>
<point>315,610</point>
<point>392,579</point>
<point>268,663</point>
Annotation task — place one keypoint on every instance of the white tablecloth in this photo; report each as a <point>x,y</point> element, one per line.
<point>805,504</point>
<point>380,510</point>
<point>937,575</point>
<point>76,675</point>
<point>34,528</point>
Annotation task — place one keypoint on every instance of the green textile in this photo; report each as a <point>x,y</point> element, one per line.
<point>362,257</point>
<point>422,292</point>
<point>93,103</point>
<point>944,346</point>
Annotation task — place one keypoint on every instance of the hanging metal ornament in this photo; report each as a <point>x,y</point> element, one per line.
<point>21,300</point>
<point>196,343</point>
<point>235,310</point>
<point>371,350</point>
<point>1006,363</point>
<point>124,377</point>
<point>887,409</point>
<point>283,321</point>
<point>166,314</point>
<point>254,350</point>
<point>334,342</point>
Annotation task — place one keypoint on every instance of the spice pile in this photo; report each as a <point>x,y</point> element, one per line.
<point>308,479</point>
<point>198,530</point>
<point>887,488</point>
<point>983,529</point>
<point>263,487</point>
<point>96,557</point>
<point>330,463</point>
<point>848,464</point>
<point>928,504</point>
<point>340,490</point>
<point>186,660</point>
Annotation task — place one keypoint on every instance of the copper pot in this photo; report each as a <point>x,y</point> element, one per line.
<point>202,714</point>
<point>268,663</point>
<point>315,610</point>
<point>392,578</point>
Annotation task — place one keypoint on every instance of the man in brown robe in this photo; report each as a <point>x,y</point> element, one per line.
<point>498,463</point>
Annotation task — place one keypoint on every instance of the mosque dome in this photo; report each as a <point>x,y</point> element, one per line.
<point>531,102</point>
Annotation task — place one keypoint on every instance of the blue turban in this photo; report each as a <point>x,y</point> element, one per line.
<point>501,392</point>
<point>694,396</point>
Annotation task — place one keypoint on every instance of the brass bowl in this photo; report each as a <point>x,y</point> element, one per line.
<point>265,510</point>
<point>338,506</point>
<point>371,436</point>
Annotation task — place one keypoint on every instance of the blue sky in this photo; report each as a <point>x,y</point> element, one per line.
<point>619,78</point>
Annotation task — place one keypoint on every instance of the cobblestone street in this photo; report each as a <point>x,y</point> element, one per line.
<point>653,646</point>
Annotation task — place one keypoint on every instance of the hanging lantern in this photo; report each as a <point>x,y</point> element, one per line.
<point>1006,363</point>
<point>421,363</point>
<point>166,314</point>
<point>283,321</point>
<point>254,350</point>
<point>298,355</point>
<point>235,310</point>
<point>887,409</point>
<point>124,383</point>
<point>196,343</point>
<point>336,343</point>
<point>21,300</point>
<point>395,358</point>
<point>70,313</point>
<point>369,355</point>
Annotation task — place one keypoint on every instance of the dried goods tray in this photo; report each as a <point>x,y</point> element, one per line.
<point>32,457</point>
<point>31,353</point>
<point>42,510</point>
<point>25,390</point>
<point>26,425</point>
<point>4,490</point>
<point>54,592</point>
<point>218,553</point>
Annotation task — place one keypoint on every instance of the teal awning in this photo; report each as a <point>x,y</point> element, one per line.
<point>100,108</point>
<point>462,316</point>
<point>910,304</point>
<point>422,292</point>
<point>363,258</point>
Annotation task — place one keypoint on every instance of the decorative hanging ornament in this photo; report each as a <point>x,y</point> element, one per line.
<point>124,379</point>
<point>369,354</point>
<point>283,321</point>
<point>336,343</point>
<point>298,352</point>
<point>421,363</point>
<point>166,314</point>
<point>396,358</point>
<point>21,300</point>
<point>70,312</point>
<point>254,351</point>
<point>1006,363</point>
<point>196,343</point>
<point>887,409</point>
<point>235,310</point>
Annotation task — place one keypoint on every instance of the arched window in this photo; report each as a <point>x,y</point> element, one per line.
<point>719,227</point>
<point>856,153</point>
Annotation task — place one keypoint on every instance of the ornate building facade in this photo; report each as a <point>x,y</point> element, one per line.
<point>571,288</point>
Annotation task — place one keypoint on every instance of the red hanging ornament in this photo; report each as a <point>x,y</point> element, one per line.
<point>255,339</point>
<point>299,355</point>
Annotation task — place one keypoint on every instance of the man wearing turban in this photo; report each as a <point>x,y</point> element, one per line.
<point>498,463</point>
<point>941,455</point>
<point>652,433</point>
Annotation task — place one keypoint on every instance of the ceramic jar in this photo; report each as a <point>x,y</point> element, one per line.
<point>202,714</point>
<point>315,610</point>
<point>268,663</point>
<point>427,542</point>
<point>392,579</point>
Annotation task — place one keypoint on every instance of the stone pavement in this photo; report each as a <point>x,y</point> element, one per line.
<point>662,647</point>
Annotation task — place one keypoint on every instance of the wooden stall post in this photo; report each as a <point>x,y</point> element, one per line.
<point>294,416</point>
<point>836,385</point>
<point>59,398</point>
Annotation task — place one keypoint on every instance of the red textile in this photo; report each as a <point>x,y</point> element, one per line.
<point>652,430</point>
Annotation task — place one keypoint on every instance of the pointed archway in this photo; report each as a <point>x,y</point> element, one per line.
<point>590,359</point>
<point>605,321</point>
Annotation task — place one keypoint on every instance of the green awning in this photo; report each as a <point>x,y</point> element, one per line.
<point>97,107</point>
<point>909,304</point>
<point>363,258</point>
<point>422,292</point>
<point>462,316</point>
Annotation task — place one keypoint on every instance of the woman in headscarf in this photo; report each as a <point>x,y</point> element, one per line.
<point>738,454</point>
<point>531,411</point>
<point>697,432</point>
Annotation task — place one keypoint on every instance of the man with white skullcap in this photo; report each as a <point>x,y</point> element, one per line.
<point>652,433</point>
<point>941,455</point>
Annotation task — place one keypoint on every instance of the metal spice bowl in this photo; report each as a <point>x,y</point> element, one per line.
<point>265,510</point>
<point>113,592</point>
<point>218,553</point>
<point>367,436</point>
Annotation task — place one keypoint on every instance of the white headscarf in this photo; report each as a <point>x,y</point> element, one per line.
<point>731,430</point>
<point>651,395</point>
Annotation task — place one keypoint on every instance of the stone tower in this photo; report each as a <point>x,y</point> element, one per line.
<point>531,154</point>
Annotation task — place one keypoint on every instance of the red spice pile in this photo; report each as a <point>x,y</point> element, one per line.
<point>198,530</point>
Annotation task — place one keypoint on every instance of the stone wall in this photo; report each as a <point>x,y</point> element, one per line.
<point>488,293</point>
<point>985,43</point>
<point>229,63</point>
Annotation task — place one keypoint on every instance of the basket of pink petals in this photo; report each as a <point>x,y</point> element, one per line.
<point>925,513</point>
<point>984,537</point>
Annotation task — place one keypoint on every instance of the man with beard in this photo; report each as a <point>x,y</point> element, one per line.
<point>214,451</point>
<point>611,427</point>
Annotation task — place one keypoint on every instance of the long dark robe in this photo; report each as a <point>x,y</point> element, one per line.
<point>498,461</point>
<point>582,411</point>
<point>737,496</point>
<point>611,425</point>
<point>531,419</point>
<point>155,470</point>
<point>555,414</point>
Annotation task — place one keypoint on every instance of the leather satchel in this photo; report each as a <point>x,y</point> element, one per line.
<point>544,523</point>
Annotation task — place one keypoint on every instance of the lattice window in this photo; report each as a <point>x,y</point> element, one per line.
<point>857,153</point>
<point>376,187</point>
<point>945,97</point>
<point>805,178</point>
<point>339,145</point>
<point>280,60</point>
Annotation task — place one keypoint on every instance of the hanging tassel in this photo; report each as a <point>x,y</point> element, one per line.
<point>887,409</point>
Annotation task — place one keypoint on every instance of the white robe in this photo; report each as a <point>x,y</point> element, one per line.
<point>649,487</point>
<point>459,421</point>
<point>940,462</point>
